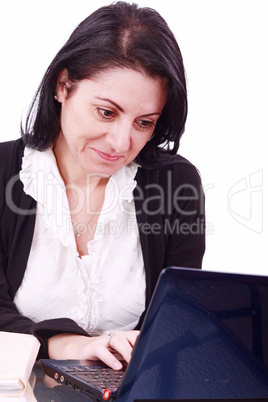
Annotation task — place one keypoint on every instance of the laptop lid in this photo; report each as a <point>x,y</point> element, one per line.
<point>205,336</point>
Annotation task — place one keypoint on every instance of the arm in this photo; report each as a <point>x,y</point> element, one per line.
<point>12,321</point>
<point>169,204</point>
<point>185,227</point>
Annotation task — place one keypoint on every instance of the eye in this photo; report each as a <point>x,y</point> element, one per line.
<point>145,125</point>
<point>105,114</point>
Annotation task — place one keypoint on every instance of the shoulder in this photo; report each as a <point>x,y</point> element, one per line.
<point>9,147</point>
<point>177,169</point>
<point>11,153</point>
<point>183,170</point>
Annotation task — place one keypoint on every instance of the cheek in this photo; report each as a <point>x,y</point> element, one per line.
<point>74,123</point>
<point>138,144</point>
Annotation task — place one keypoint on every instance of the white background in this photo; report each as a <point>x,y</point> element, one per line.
<point>225,49</point>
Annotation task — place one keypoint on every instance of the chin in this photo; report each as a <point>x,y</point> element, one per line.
<point>101,173</point>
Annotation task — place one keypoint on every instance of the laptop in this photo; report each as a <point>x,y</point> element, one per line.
<point>205,336</point>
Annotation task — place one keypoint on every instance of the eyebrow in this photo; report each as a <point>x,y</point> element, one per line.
<point>122,110</point>
<point>112,102</point>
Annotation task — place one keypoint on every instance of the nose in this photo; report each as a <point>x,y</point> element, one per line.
<point>119,137</point>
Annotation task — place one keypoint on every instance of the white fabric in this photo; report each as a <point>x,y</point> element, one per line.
<point>102,291</point>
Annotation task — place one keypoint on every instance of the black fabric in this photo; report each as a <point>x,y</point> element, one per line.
<point>169,204</point>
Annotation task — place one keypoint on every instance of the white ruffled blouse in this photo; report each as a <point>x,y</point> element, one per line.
<point>101,291</point>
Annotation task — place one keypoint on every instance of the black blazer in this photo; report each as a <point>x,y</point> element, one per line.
<point>169,203</point>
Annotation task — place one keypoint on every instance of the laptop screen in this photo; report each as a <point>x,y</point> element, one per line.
<point>205,336</point>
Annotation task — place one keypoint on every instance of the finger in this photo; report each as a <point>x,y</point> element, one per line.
<point>121,344</point>
<point>132,337</point>
<point>102,353</point>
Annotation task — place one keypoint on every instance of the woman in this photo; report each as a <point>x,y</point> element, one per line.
<point>97,202</point>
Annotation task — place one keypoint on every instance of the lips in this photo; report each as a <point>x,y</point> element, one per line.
<point>108,157</point>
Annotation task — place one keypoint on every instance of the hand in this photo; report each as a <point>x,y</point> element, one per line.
<point>70,346</point>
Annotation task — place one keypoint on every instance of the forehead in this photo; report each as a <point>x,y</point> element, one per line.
<point>127,86</point>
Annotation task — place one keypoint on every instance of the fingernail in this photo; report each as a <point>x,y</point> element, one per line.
<point>117,365</point>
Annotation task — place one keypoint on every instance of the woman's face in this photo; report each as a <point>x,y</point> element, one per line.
<point>107,120</point>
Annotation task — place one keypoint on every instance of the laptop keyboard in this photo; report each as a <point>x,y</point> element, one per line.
<point>100,377</point>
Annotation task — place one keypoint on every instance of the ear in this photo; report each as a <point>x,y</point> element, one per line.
<point>62,86</point>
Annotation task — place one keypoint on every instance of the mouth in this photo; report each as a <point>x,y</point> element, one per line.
<point>107,157</point>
